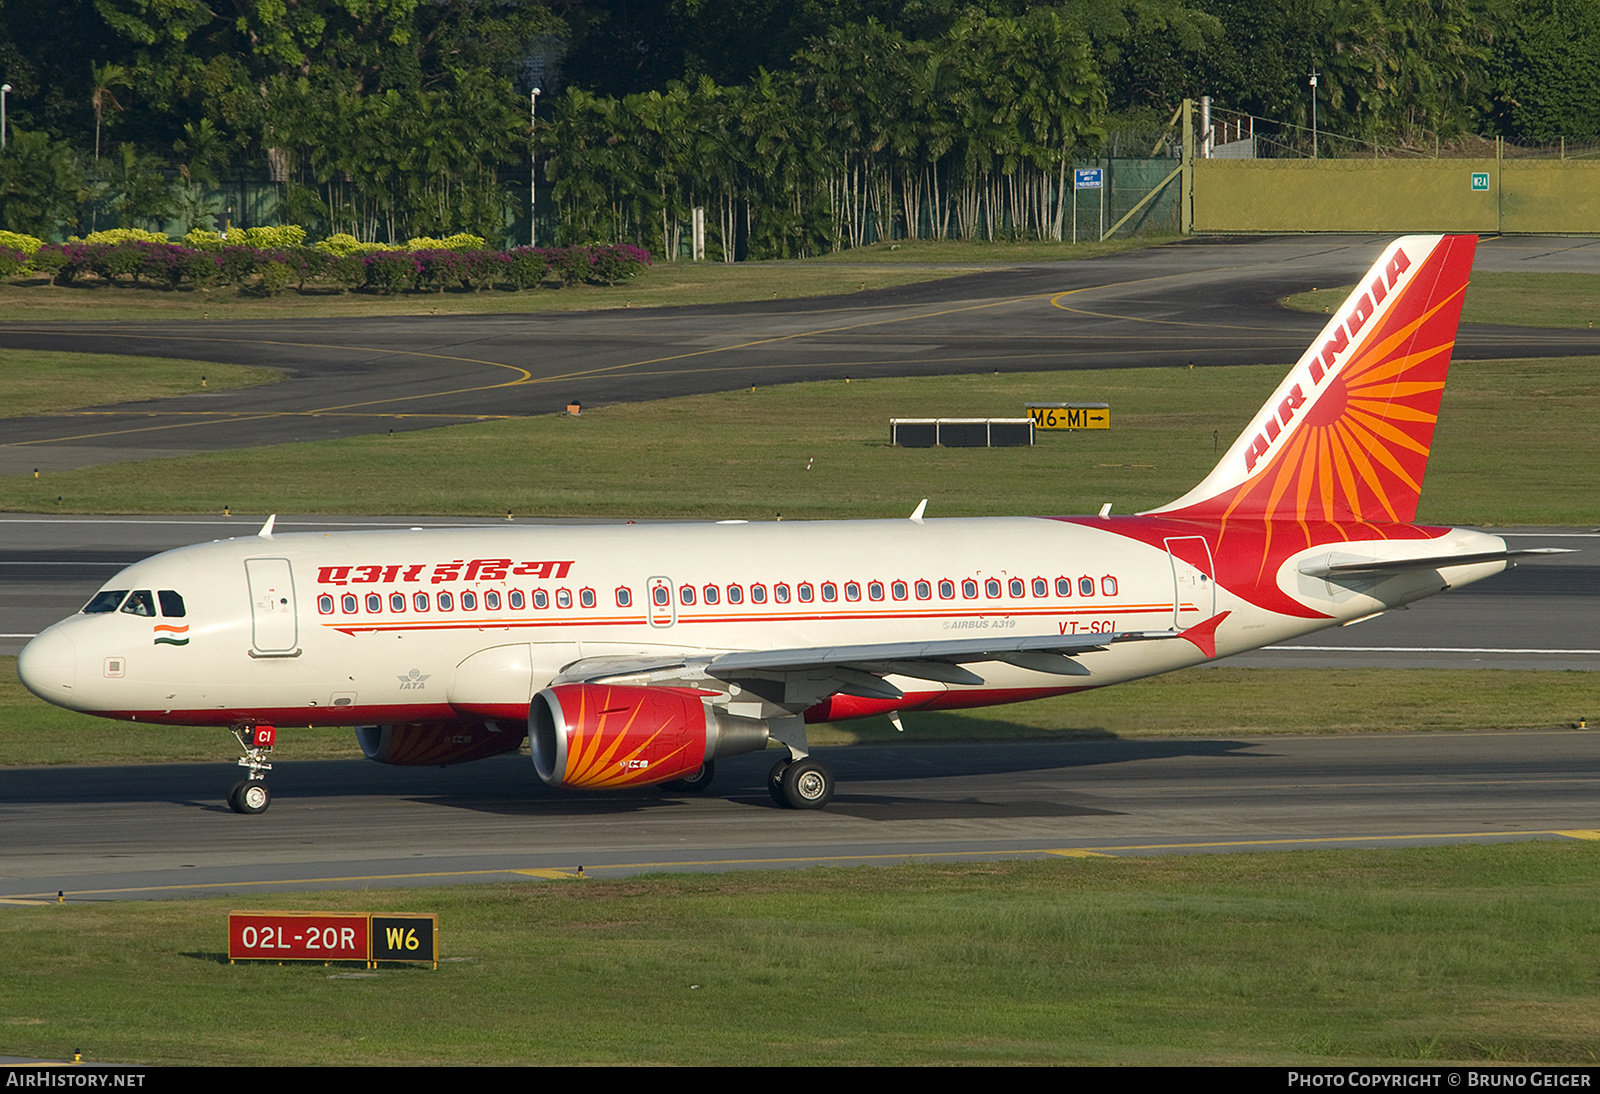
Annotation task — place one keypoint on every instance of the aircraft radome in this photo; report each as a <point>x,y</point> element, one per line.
<point>639,654</point>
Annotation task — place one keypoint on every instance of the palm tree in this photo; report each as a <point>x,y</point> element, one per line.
<point>104,78</point>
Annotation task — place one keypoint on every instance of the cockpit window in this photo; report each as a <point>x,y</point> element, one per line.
<point>140,602</point>
<point>105,601</point>
<point>171,603</point>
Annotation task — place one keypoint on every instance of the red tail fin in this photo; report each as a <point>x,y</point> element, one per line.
<point>1346,435</point>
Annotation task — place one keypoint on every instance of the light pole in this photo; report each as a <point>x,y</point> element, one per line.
<point>533,166</point>
<point>5,89</point>
<point>1313,113</point>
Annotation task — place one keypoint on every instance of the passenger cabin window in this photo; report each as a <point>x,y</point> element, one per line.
<point>758,594</point>
<point>140,602</point>
<point>924,591</point>
<point>374,602</point>
<point>1041,587</point>
<point>780,593</point>
<point>446,602</point>
<point>586,597</point>
<point>1108,585</point>
<point>541,599</point>
<point>947,589</point>
<point>325,604</point>
<point>516,600</point>
<point>1017,587</point>
<point>991,588</point>
<point>875,590</point>
<point>624,597</point>
<point>348,603</point>
<point>852,591</point>
<point>1063,586</point>
<point>735,594</point>
<point>171,604</point>
<point>969,589</point>
<point>830,591</point>
<point>397,602</point>
<point>686,595</point>
<point>898,590</point>
<point>806,593</point>
<point>105,601</point>
<point>469,602</point>
<point>1086,586</point>
<point>419,601</point>
<point>491,600</point>
<point>710,594</point>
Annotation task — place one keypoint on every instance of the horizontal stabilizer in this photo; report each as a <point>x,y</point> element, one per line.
<point>1380,567</point>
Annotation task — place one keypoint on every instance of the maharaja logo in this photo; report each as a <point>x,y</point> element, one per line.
<point>169,635</point>
<point>414,680</point>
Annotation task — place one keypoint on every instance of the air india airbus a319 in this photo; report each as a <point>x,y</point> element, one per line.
<point>639,654</point>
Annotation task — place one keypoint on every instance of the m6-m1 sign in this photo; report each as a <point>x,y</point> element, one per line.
<point>1070,415</point>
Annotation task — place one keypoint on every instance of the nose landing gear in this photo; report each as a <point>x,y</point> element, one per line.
<point>251,795</point>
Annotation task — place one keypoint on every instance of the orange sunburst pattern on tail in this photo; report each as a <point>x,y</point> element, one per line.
<point>1362,448</point>
<point>1346,438</point>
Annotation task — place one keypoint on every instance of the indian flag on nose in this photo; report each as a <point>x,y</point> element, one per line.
<point>168,634</point>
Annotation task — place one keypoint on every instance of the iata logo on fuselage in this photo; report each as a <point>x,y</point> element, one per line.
<point>1325,363</point>
<point>414,680</point>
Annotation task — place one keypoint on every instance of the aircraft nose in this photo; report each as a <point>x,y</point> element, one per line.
<point>49,666</point>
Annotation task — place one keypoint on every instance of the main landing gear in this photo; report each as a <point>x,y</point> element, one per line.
<point>251,795</point>
<point>801,784</point>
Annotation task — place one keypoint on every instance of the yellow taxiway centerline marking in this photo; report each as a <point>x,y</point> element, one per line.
<point>566,874</point>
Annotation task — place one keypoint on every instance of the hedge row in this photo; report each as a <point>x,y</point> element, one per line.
<point>272,271</point>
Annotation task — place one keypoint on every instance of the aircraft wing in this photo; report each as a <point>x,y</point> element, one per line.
<point>798,678</point>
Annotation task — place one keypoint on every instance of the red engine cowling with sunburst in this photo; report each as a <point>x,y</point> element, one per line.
<point>435,744</point>
<point>605,737</point>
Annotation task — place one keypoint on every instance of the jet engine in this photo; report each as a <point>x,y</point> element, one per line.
<point>599,736</point>
<point>435,744</point>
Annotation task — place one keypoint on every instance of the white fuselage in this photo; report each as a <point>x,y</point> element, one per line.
<point>463,624</point>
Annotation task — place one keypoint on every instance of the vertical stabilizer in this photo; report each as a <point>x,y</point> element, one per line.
<point>1346,435</point>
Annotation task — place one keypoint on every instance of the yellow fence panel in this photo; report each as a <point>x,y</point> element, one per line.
<point>1443,195</point>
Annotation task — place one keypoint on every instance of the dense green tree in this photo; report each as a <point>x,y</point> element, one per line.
<point>1546,71</point>
<point>40,184</point>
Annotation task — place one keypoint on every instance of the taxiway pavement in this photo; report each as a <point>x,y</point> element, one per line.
<point>100,833</point>
<point>1204,302</point>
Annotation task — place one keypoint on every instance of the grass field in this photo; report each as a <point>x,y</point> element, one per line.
<point>821,450</point>
<point>1514,299</point>
<point>1472,954</point>
<point>36,382</point>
